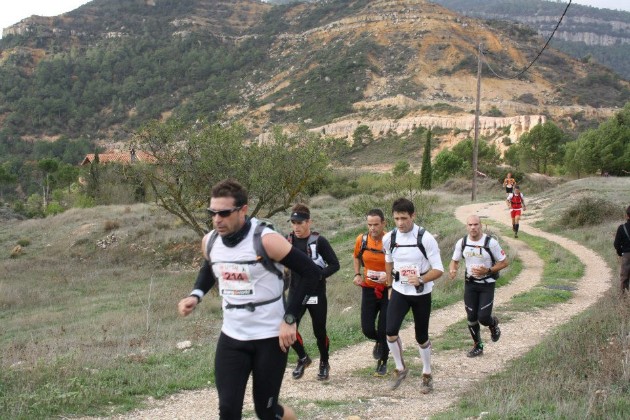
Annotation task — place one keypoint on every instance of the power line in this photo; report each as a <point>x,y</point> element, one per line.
<point>537,56</point>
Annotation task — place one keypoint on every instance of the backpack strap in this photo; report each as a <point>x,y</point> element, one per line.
<point>362,250</point>
<point>418,244</point>
<point>261,254</point>
<point>312,239</point>
<point>420,235</point>
<point>211,240</point>
<point>364,247</point>
<point>486,247</point>
<point>626,230</point>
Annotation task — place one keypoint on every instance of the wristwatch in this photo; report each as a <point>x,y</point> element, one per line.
<point>289,319</point>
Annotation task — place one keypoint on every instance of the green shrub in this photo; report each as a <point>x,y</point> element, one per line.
<point>110,225</point>
<point>589,211</point>
<point>24,242</point>
<point>54,208</point>
<point>84,202</point>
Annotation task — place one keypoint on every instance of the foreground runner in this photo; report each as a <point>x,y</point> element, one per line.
<point>484,259</point>
<point>412,261</point>
<point>257,331</point>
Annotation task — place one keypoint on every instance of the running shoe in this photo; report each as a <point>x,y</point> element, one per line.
<point>324,371</point>
<point>302,364</point>
<point>427,383</point>
<point>381,368</point>
<point>495,332</point>
<point>477,350</point>
<point>398,377</point>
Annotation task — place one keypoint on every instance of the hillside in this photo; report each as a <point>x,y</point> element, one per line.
<point>106,68</point>
<point>585,32</point>
<point>90,327</point>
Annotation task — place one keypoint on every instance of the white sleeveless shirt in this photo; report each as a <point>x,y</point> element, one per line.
<point>241,283</point>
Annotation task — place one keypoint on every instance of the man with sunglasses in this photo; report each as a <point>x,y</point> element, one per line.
<point>257,331</point>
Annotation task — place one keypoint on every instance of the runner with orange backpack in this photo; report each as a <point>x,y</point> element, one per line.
<point>369,254</point>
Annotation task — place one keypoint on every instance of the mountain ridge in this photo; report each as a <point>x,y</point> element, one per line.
<point>304,63</point>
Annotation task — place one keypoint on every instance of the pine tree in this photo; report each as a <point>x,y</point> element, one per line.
<point>425,171</point>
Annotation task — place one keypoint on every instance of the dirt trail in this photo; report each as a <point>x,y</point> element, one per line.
<point>370,398</point>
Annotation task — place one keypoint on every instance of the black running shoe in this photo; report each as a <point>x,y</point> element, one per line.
<point>381,368</point>
<point>495,332</point>
<point>324,371</point>
<point>302,364</point>
<point>476,351</point>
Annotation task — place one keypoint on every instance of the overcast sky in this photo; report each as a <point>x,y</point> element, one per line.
<point>13,11</point>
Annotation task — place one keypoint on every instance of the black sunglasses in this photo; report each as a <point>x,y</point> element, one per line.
<point>222,213</point>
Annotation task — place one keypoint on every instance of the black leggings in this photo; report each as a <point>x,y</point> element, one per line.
<point>399,305</point>
<point>233,363</point>
<point>373,316</point>
<point>478,300</point>
<point>319,313</point>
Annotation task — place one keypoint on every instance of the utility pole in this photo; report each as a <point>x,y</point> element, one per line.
<point>476,142</point>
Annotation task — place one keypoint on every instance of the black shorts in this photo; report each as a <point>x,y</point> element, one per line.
<point>509,190</point>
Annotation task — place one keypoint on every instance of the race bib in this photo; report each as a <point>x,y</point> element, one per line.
<point>408,270</point>
<point>312,300</point>
<point>234,279</point>
<point>375,275</point>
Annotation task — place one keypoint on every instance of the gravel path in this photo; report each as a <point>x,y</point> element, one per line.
<point>356,395</point>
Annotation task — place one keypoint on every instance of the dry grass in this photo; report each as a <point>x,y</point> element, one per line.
<point>89,323</point>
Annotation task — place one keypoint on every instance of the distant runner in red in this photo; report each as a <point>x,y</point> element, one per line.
<point>516,202</point>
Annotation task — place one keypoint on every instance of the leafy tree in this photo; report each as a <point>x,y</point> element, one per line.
<point>401,168</point>
<point>190,159</point>
<point>541,146</point>
<point>425,171</point>
<point>606,148</point>
<point>580,157</point>
<point>486,154</point>
<point>613,143</point>
<point>67,175</point>
<point>6,179</point>
<point>447,164</point>
<point>362,136</point>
